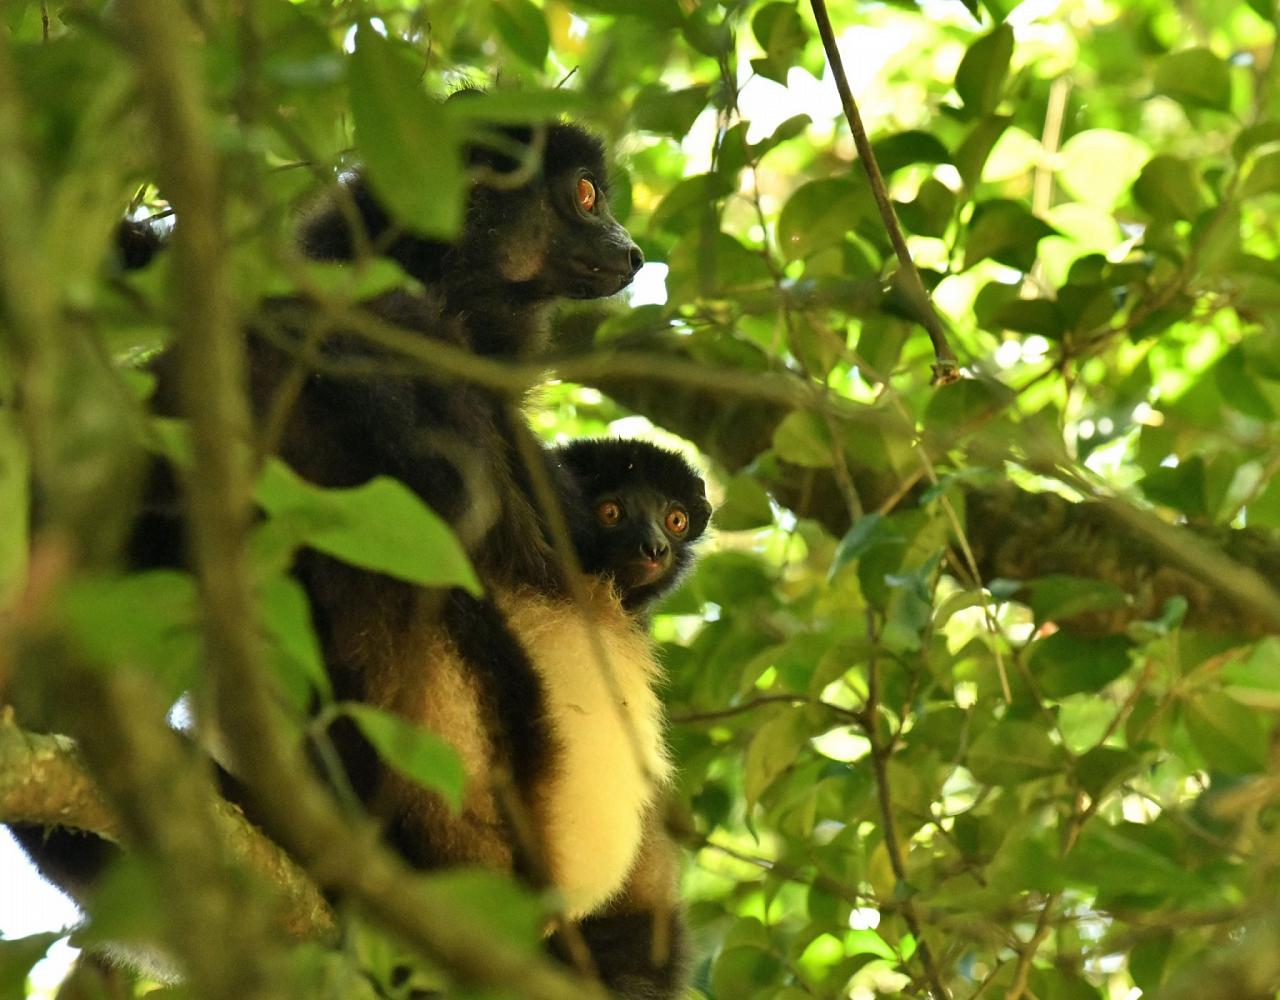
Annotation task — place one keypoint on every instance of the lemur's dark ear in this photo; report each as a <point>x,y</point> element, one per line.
<point>501,148</point>
<point>466,92</point>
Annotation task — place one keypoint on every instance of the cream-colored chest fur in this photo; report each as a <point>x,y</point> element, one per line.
<point>612,758</point>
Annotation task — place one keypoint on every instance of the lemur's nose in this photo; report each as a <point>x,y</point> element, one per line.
<point>654,548</point>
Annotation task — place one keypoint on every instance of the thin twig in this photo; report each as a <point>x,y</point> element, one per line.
<point>692,718</point>
<point>945,368</point>
<point>1027,951</point>
<point>880,753</point>
<point>768,699</point>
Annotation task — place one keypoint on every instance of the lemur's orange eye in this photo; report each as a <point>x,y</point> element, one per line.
<point>586,195</point>
<point>677,521</point>
<point>609,513</point>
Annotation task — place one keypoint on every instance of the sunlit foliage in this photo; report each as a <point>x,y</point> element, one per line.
<point>976,688</point>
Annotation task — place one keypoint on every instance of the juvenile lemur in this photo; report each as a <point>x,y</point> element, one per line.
<point>504,677</point>
<point>638,509</point>
<point>635,511</point>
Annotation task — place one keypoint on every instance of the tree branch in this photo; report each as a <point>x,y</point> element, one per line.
<point>880,753</point>
<point>945,368</point>
<point>1014,534</point>
<point>295,808</point>
<point>43,781</point>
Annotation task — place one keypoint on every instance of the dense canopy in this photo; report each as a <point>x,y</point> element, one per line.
<point>974,691</point>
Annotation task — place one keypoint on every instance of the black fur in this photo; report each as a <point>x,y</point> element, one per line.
<point>457,445</point>
<point>623,946</point>
<point>645,484</point>
<point>578,254</point>
<point>137,243</point>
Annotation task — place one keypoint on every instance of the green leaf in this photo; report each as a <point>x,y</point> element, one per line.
<point>782,33</point>
<point>324,974</point>
<point>707,35</point>
<point>1168,188</point>
<point>957,408</point>
<point>688,202</point>
<point>802,438</point>
<point>932,210</point>
<point>286,614</point>
<point>1058,598</point>
<point>1005,231</point>
<point>14,12</point>
<point>102,613</point>
<point>417,753</point>
<point>17,957</point>
<point>1254,679</point>
<point>980,77</point>
<point>816,346</point>
<point>730,579</point>
<point>1262,134</point>
<point>789,129</point>
<point>1264,176</point>
<point>665,13</point>
<point>382,526</point>
<point>746,505</point>
<point>779,29</point>
<point>1149,960</point>
<point>1012,751</point>
<point>905,148</point>
<point>910,606</point>
<point>869,531</point>
<point>523,29</point>
<point>411,149</point>
<point>371,278</point>
<point>509,107</point>
<point>712,263</point>
<point>1231,738</point>
<point>127,903</point>
<point>1061,984</point>
<point>1098,166</point>
<point>1129,858</point>
<point>819,215</point>
<point>1029,316</point>
<point>1065,663</point>
<point>511,913</point>
<point>1195,78</point>
<point>1236,372</point>
<point>1102,768</point>
<point>772,751</point>
<point>745,971</point>
<point>972,153</point>
<point>668,112</point>
<point>1181,487</point>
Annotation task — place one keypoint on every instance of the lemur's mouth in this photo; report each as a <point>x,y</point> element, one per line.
<point>597,284</point>
<point>640,572</point>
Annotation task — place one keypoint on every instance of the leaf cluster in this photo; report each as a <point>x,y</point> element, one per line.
<point>975,692</point>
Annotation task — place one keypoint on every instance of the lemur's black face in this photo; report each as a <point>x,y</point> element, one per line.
<point>641,509</point>
<point>554,235</point>
<point>639,539</point>
<point>535,229</point>
<point>599,257</point>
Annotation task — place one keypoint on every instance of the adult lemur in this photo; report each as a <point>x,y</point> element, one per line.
<point>512,679</point>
